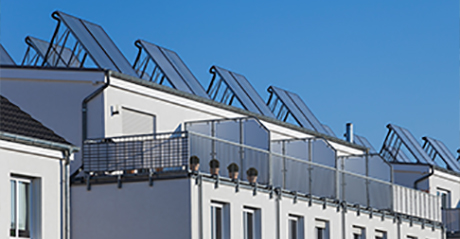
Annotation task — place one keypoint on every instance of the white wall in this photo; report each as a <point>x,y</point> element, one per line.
<point>134,211</point>
<point>245,197</point>
<point>45,167</point>
<point>447,181</point>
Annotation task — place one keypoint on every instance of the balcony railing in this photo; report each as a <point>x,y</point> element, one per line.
<point>451,219</point>
<point>322,173</point>
<point>136,153</point>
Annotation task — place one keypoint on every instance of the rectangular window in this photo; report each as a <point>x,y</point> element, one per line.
<point>252,224</point>
<point>295,227</point>
<point>359,232</point>
<point>445,197</point>
<point>20,207</point>
<point>322,229</point>
<point>380,234</point>
<point>220,221</point>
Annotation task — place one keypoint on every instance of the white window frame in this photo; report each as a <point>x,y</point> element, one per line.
<point>445,197</point>
<point>379,234</point>
<point>256,223</point>
<point>299,230</point>
<point>224,220</point>
<point>321,229</point>
<point>17,210</point>
<point>359,232</point>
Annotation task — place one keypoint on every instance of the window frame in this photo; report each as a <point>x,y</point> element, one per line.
<point>299,230</point>
<point>255,222</point>
<point>380,234</point>
<point>321,229</point>
<point>359,232</point>
<point>445,197</point>
<point>16,232</point>
<point>224,220</point>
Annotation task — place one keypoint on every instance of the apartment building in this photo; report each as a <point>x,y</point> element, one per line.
<point>33,177</point>
<point>160,152</point>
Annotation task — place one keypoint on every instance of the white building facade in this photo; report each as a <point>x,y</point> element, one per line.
<point>138,175</point>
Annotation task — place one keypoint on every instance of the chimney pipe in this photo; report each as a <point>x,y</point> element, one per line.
<point>349,132</point>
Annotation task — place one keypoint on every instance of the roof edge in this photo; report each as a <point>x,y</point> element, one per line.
<point>38,142</point>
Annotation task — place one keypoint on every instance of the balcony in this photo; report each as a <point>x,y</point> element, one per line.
<point>309,166</point>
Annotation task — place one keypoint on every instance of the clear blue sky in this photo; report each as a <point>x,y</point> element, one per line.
<point>363,61</point>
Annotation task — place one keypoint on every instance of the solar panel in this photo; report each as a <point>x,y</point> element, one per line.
<point>241,89</point>
<point>443,152</point>
<point>298,109</point>
<point>361,140</point>
<point>96,42</point>
<point>411,144</point>
<point>58,56</point>
<point>172,66</point>
<point>5,58</point>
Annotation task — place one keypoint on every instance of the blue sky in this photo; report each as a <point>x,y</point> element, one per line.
<point>363,61</point>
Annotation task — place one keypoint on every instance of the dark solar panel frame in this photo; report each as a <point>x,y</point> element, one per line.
<point>443,152</point>
<point>102,50</point>
<point>169,62</point>
<point>5,58</point>
<point>242,90</point>
<point>41,48</point>
<point>411,144</point>
<point>298,109</point>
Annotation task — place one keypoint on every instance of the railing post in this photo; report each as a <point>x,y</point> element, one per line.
<point>241,132</point>
<point>270,168</point>
<point>283,151</point>
<point>337,177</point>
<point>310,168</point>
<point>368,199</point>
<point>188,154</point>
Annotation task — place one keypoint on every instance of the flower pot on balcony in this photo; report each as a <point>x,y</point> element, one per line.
<point>214,165</point>
<point>252,175</point>
<point>233,171</point>
<point>194,163</point>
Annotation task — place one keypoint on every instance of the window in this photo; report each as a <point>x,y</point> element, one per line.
<point>322,229</point>
<point>359,232</point>
<point>251,220</point>
<point>20,207</point>
<point>380,234</point>
<point>295,227</point>
<point>220,221</point>
<point>445,197</point>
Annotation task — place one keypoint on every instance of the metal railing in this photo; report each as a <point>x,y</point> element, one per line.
<point>330,179</point>
<point>451,219</point>
<point>141,152</point>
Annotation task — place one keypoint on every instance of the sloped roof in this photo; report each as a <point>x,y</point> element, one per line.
<point>15,121</point>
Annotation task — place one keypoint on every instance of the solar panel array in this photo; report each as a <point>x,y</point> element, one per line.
<point>5,58</point>
<point>435,148</point>
<point>298,109</point>
<point>241,89</point>
<point>96,42</point>
<point>397,136</point>
<point>172,66</point>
